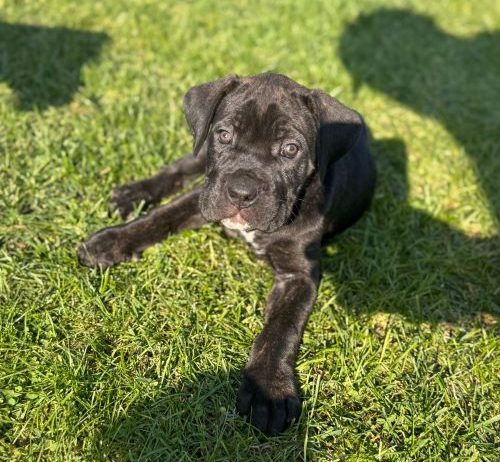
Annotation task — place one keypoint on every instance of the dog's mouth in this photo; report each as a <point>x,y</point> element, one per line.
<point>240,221</point>
<point>236,222</point>
<point>266,216</point>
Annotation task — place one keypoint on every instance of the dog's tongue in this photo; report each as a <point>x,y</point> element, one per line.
<point>238,219</point>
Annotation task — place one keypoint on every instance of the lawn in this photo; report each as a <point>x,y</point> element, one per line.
<point>400,358</point>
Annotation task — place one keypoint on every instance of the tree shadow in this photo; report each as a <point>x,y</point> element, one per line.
<point>43,64</point>
<point>402,260</point>
<point>424,268</point>
<point>191,420</point>
<point>452,79</point>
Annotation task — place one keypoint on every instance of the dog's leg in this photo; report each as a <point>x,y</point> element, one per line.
<point>151,191</point>
<point>269,391</point>
<point>113,245</point>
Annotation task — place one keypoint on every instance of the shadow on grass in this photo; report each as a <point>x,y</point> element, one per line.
<point>422,267</point>
<point>194,420</point>
<point>402,260</point>
<point>451,79</point>
<point>43,64</point>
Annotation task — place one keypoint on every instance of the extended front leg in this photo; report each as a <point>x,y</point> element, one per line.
<point>151,191</point>
<point>113,245</point>
<point>269,391</point>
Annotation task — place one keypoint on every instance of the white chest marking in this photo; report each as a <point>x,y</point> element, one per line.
<point>249,237</point>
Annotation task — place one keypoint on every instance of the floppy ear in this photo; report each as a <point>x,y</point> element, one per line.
<point>200,104</point>
<point>339,128</point>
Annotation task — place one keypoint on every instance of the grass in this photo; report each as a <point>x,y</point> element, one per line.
<point>400,357</point>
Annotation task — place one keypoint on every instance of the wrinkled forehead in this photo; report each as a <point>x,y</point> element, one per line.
<point>264,112</point>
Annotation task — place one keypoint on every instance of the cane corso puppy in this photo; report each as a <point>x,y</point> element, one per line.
<point>284,167</point>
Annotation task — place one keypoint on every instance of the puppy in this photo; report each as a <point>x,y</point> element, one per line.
<point>285,166</point>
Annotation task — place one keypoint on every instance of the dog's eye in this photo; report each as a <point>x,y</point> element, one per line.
<point>224,136</point>
<point>290,150</point>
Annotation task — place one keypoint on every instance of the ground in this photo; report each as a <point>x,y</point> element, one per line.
<point>141,362</point>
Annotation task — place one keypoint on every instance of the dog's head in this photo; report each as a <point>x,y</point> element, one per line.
<point>265,137</point>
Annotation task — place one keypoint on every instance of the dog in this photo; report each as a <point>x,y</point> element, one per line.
<point>285,167</point>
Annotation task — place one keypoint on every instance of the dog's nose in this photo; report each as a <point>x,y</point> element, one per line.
<point>242,189</point>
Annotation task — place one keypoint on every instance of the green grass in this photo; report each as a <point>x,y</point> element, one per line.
<point>400,357</point>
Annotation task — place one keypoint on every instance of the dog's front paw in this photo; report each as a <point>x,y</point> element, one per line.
<point>106,248</point>
<point>272,403</point>
<point>124,198</point>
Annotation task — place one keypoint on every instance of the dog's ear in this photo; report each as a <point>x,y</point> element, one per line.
<point>339,128</point>
<point>200,104</point>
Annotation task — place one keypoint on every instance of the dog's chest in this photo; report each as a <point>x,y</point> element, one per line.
<point>252,240</point>
<point>250,237</point>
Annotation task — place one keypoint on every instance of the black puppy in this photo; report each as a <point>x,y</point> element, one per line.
<point>285,166</point>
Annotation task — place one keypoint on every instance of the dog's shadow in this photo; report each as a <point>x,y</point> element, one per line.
<point>399,259</point>
<point>42,65</point>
